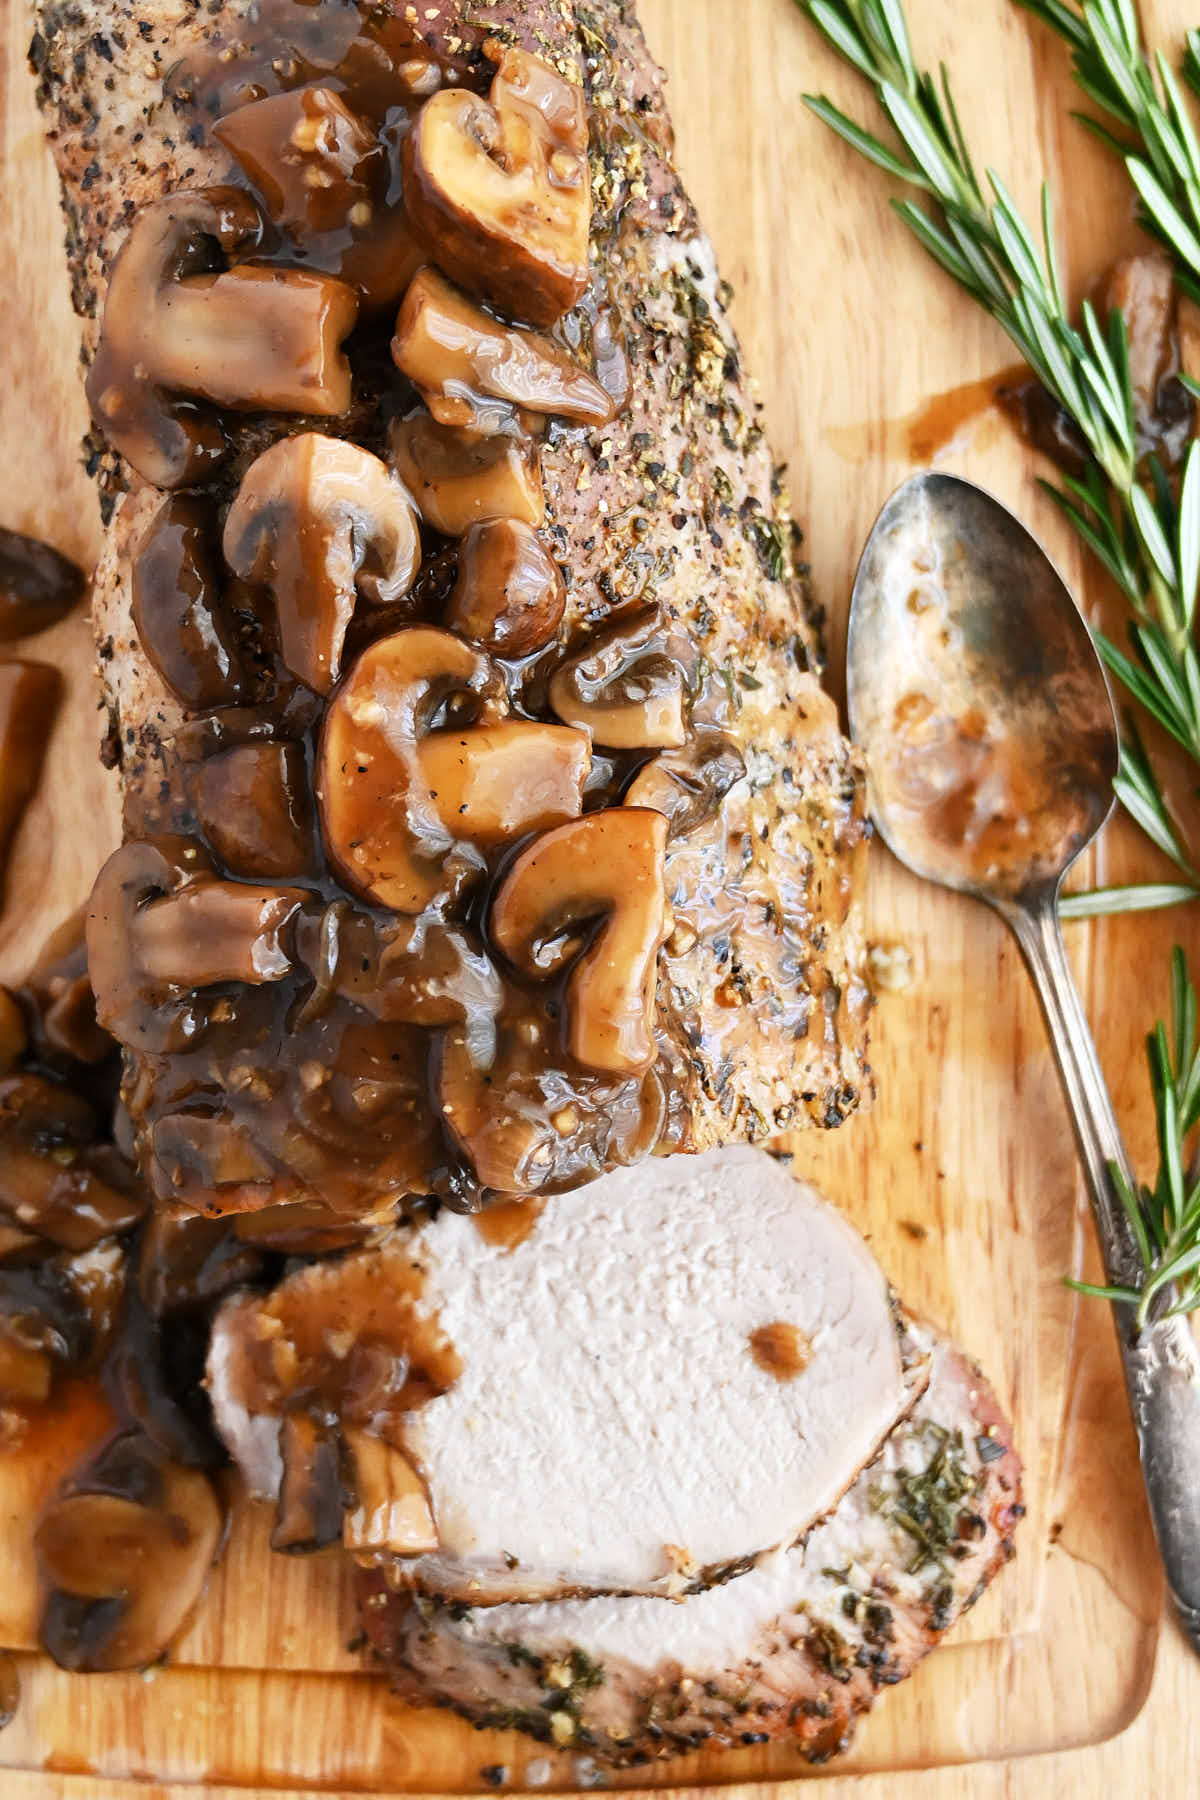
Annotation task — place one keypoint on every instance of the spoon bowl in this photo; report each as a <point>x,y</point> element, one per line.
<point>977,694</point>
<point>991,746</point>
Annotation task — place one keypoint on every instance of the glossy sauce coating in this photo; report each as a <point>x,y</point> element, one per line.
<point>374,1063</point>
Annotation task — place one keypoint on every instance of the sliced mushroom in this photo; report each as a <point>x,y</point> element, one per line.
<point>178,604</point>
<point>254,805</point>
<point>510,595</point>
<point>154,1370</point>
<point>392,1516</point>
<point>382,834</point>
<point>322,175</point>
<point>58,1004</point>
<point>249,337</point>
<point>312,1499</point>
<point>602,875</point>
<point>37,585</point>
<point>29,698</point>
<point>687,786</point>
<point>458,478</point>
<point>55,1179</point>
<point>309,157</point>
<point>499,188</point>
<point>474,372</point>
<point>359,1132</point>
<point>204,1151</point>
<point>185,1262</point>
<point>60,1312</point>
<point>319,521</point>
<point>124,1556</point>
<point>161,925</point>
<point>404,806</point>
<point>623,688</point>
<point>305,1228</point>
<point>42,1326</point>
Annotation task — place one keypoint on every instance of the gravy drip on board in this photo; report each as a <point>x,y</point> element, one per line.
<point>301,953</point>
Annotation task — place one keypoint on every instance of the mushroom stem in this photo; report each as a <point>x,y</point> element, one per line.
<point>256,338</point>
<point>247,337</point>
<point>217,931</point>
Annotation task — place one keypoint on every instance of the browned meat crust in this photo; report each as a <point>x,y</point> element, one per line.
<point>762,1005</point>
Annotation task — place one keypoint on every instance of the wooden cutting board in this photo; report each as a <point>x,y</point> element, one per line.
<point>963,1176</point>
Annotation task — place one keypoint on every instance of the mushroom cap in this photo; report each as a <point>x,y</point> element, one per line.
<point>124,1557</point>
<point>177,587</point>
<point>254,805</point>
<point>509,595</point>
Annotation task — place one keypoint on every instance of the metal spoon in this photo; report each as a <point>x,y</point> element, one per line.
<point>991,744</point>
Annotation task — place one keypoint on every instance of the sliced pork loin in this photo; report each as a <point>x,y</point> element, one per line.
<point>676,1369</point>
<point>797,1648</point>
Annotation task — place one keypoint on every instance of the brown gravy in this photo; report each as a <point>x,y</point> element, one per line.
<point>510,1223</point>
<point>781,1350</point>
<point>310,1088</point>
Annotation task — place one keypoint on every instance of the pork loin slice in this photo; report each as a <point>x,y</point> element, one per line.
<point>798,1647</point>
<point>680,1367</point>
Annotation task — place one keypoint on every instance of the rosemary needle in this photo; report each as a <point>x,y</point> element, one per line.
<point>1144,99</point>
<point>1165,1219</point>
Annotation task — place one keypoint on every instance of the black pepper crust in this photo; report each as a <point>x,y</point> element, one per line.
<point>763,1004</point>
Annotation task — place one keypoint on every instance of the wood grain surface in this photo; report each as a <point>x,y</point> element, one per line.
<point>1065,1680</point>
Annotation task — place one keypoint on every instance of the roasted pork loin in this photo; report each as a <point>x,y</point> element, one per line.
<point>676,1369</point>
<point>289,1041</point>
<point>796,1648</point>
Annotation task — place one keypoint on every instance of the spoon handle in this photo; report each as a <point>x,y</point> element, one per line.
<point>1162,1365</point>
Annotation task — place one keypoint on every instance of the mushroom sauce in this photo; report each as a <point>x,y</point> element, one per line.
<point>383,713</point>
<point>479,838</point>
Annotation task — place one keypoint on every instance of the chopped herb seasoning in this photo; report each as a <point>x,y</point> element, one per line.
<point>929,1505</point>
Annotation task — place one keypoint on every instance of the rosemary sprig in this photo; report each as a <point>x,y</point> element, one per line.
<point>1145,99</point>
<point>1143,528</point>
<point>1165,1219</point>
